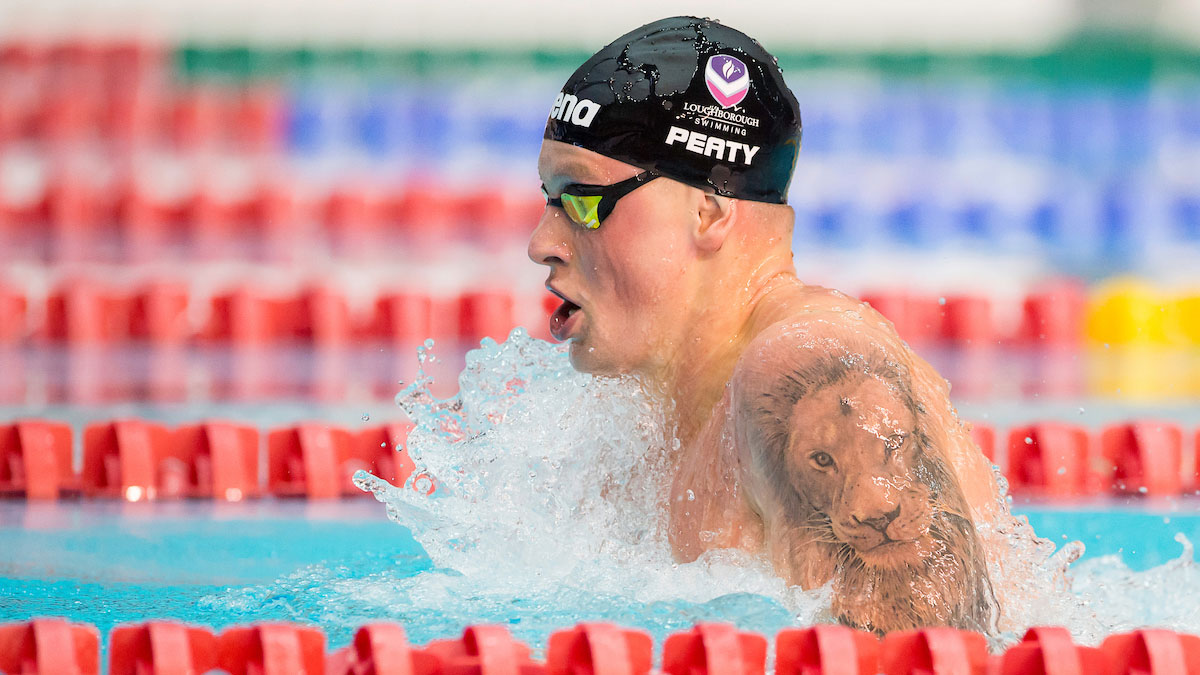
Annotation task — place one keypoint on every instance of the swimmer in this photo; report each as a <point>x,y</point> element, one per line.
<point>809,432</point>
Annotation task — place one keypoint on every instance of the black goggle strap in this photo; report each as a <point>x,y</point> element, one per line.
<point>588,205</point>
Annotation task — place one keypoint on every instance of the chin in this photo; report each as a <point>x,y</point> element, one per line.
<point>894,554</point>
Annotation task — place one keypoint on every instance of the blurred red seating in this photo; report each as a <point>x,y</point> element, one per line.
<point>933,651</point>
<point>381,648</point>
<point>354,220</point>
<point>967,320</point>
<point>425,212</point>
<point>36,459</point>
<point>821,650</point>
<point>1152,651</point>
<point>272,649</point>
<point>123,458</point>
<point>1147,457</point>
<point>1053,315</point>
<point>49,647</point>
<point>161,647</point>
<point>151,228</point>
<point>985,437</point>
<point>484,650</point>
<point>81,221</point>
<point>917,318</point>
<point>401,317</point>
<point>89,312</point>
<point>322,317</point>
<point>13,307</point>
<point>198,118</point>
<point>247,316</point>
<point>485,314</point>
<point>1049,650</point>
<point>256,120</point>
<point>714,649</point>
<point>599,648</point>
<point>1054,460</point>
<point>159,313</point>
<point>310,460</point>
<point>216,460</point>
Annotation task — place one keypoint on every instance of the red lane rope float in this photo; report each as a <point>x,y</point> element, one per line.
<point>599,649</point>
<point>1147,457</point>
<point>35,459</point>
<point>1053,459</point>
<point>56,647</point>
<point>484,650</point>
<point>161,648</point>
<point>307,461</point>
<point>49,647</point>
<point>272,649</point>
<point>122,459</point>
<point>219,460</point>
<point>1049,650</point>
<point>826,650</point>
<point>935,651</point>
<point>380,649</point>
<point>714,649</point>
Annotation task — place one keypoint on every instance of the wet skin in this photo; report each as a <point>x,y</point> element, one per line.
<point>701,300</point>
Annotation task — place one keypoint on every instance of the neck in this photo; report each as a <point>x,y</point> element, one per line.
<point>716,335</point>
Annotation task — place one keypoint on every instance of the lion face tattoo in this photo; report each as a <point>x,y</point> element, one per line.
<point>858,495</point>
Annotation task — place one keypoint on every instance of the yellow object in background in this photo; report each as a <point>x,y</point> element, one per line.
<point>1128,311</point>
<point>1187,318</point>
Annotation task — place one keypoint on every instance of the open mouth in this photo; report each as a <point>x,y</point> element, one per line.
<point>561,321</point>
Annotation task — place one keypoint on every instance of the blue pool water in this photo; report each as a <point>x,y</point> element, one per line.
<point>330,565</point>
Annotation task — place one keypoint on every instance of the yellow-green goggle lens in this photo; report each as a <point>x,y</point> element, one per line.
<point>582,210</point>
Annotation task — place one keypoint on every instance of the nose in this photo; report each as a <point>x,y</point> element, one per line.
<point>877,521</point>
<point>549,244</point>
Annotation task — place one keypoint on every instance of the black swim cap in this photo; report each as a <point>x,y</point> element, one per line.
<point>698,101</point>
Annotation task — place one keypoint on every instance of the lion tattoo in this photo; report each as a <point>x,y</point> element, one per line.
<point>851,490</point>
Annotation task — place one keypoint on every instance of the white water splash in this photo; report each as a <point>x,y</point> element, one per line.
<point>549,510</point>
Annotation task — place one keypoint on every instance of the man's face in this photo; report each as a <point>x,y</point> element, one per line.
<point>623,284</point>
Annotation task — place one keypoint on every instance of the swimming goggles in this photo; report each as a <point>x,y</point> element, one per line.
<point>588,205</point>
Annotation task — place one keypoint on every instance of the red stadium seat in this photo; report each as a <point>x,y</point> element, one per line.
<point>309,460</point>
<point>917,318</point>
<point>159,314</point>
<point>934,651</point>
<point>484,650</point>
<point>1053,315</point>
<point>485,314</point>
<point>246,316</point>
<point>49,647</point>
<point>271,649</point>
<point>1053,460</point>
<point>967,320</point>
<point>714,649</point>
<point>13,306</point>
<point>1147,457</point>
<point>322,317</point>
<point>826,649</point>
<point>123,459</point>
<point>36,459</point>
<point>87,312</point>
<point>402,317</point>
<point>599,648</point>
<point>161,647</point>
<point>220,460</point>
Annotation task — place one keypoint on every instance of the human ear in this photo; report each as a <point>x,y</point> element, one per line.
<point>715,222</point>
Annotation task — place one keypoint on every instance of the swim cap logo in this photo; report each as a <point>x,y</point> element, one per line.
<point>727,78</point>
<point>568,108</point>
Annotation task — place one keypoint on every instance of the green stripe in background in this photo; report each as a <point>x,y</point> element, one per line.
<point>1087,57</point>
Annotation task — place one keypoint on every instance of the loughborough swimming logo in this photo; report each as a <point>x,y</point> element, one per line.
<point>727,78</point>
<point>568,108</point>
